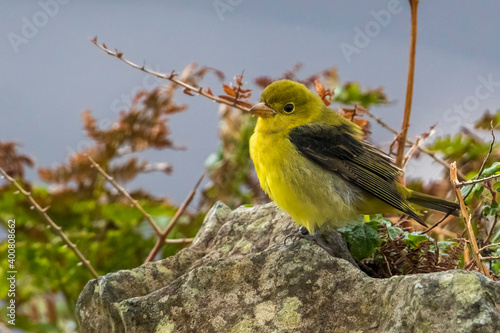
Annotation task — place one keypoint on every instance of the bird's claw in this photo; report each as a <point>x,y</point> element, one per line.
<point>300,234</point>
<point>303,233</point>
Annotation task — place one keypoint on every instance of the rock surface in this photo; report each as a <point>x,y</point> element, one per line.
<point>238,276</point>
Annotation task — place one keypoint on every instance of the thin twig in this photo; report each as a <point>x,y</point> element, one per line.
<point>490,258</point>
<point>52,224</point>
<point>475,181</point>
<point>412,151</point>
<point>435,225</point>
<point>472,238</point>
<point>492,230</point>
<point>238,90</point>
<point>183,206</point>
<point>485,159</point>
<point>120,189</point>
<point>469,264</point>
<point>421,148</point>
<point>170,77</point>
<point>409,84</point>
<point>179,240</point>
<point>489,245</point>
<point>162,239</point>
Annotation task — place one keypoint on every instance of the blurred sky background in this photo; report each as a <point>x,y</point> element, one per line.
<point>56,73</point>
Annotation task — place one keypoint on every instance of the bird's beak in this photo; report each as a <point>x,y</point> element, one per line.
<point>262,110</point>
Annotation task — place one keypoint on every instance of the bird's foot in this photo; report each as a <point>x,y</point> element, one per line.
<point>303,233</point>
<point>316,238</point>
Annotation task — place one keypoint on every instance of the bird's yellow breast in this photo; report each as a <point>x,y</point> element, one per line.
<point>302,188</point>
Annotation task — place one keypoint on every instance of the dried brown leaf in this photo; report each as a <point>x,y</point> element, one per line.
<point>325,94</point>
<point>229,90</point>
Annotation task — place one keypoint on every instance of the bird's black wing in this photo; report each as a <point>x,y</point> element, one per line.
<point>337,150</point>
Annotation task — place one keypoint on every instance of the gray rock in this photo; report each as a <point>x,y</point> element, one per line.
<point>238,276</point>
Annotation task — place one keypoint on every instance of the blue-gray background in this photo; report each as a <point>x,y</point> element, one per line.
<point>56,73</point>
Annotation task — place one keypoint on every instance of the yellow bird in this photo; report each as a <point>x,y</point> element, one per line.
<point>314,164</point>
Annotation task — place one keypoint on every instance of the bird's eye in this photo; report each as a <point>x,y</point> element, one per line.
<point>288,108</point>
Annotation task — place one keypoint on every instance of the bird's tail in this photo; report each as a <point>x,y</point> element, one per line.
<point>431,202</point>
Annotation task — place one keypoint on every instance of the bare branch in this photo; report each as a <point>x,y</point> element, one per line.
<point>170,77</point>
<point>120,189</point>
<point>179,240</point>
<point>162,239</point>
<point>490,258</point>
<point>475,181</point>
<point>472,238</point>
<point>51,224</point>
<point>413,149</point>
<point>489,245</point>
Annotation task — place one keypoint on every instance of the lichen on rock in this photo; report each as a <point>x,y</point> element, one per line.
<point>239,276</point>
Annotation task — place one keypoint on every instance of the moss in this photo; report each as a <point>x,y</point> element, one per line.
<point>244,326</point>
<point>467,288</point>
<point>288,317</point>
<point>165,326</point>
<point>265,312</point>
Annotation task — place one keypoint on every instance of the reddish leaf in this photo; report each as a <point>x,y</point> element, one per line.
<point>229,90</point>
<point>325,94</point>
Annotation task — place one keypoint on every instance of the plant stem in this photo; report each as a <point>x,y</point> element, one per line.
<point>409,85</point>
<point>472,238</point>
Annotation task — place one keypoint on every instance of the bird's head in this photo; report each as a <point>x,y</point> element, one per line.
<point>286,104</point>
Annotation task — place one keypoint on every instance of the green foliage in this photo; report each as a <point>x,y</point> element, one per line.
<point>470,151</point>
<point>351,94</point>
<point>363,239</point>
<point>385,250</point>
<point>476,189</point>
<point>110,233</point>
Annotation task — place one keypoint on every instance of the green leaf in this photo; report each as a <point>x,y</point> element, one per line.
<point>394,232</point>
<point>415,238</point>
<point>478,188</point>
<point>492,170</point>
<point>363,239</point>
<point>445,245</point>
